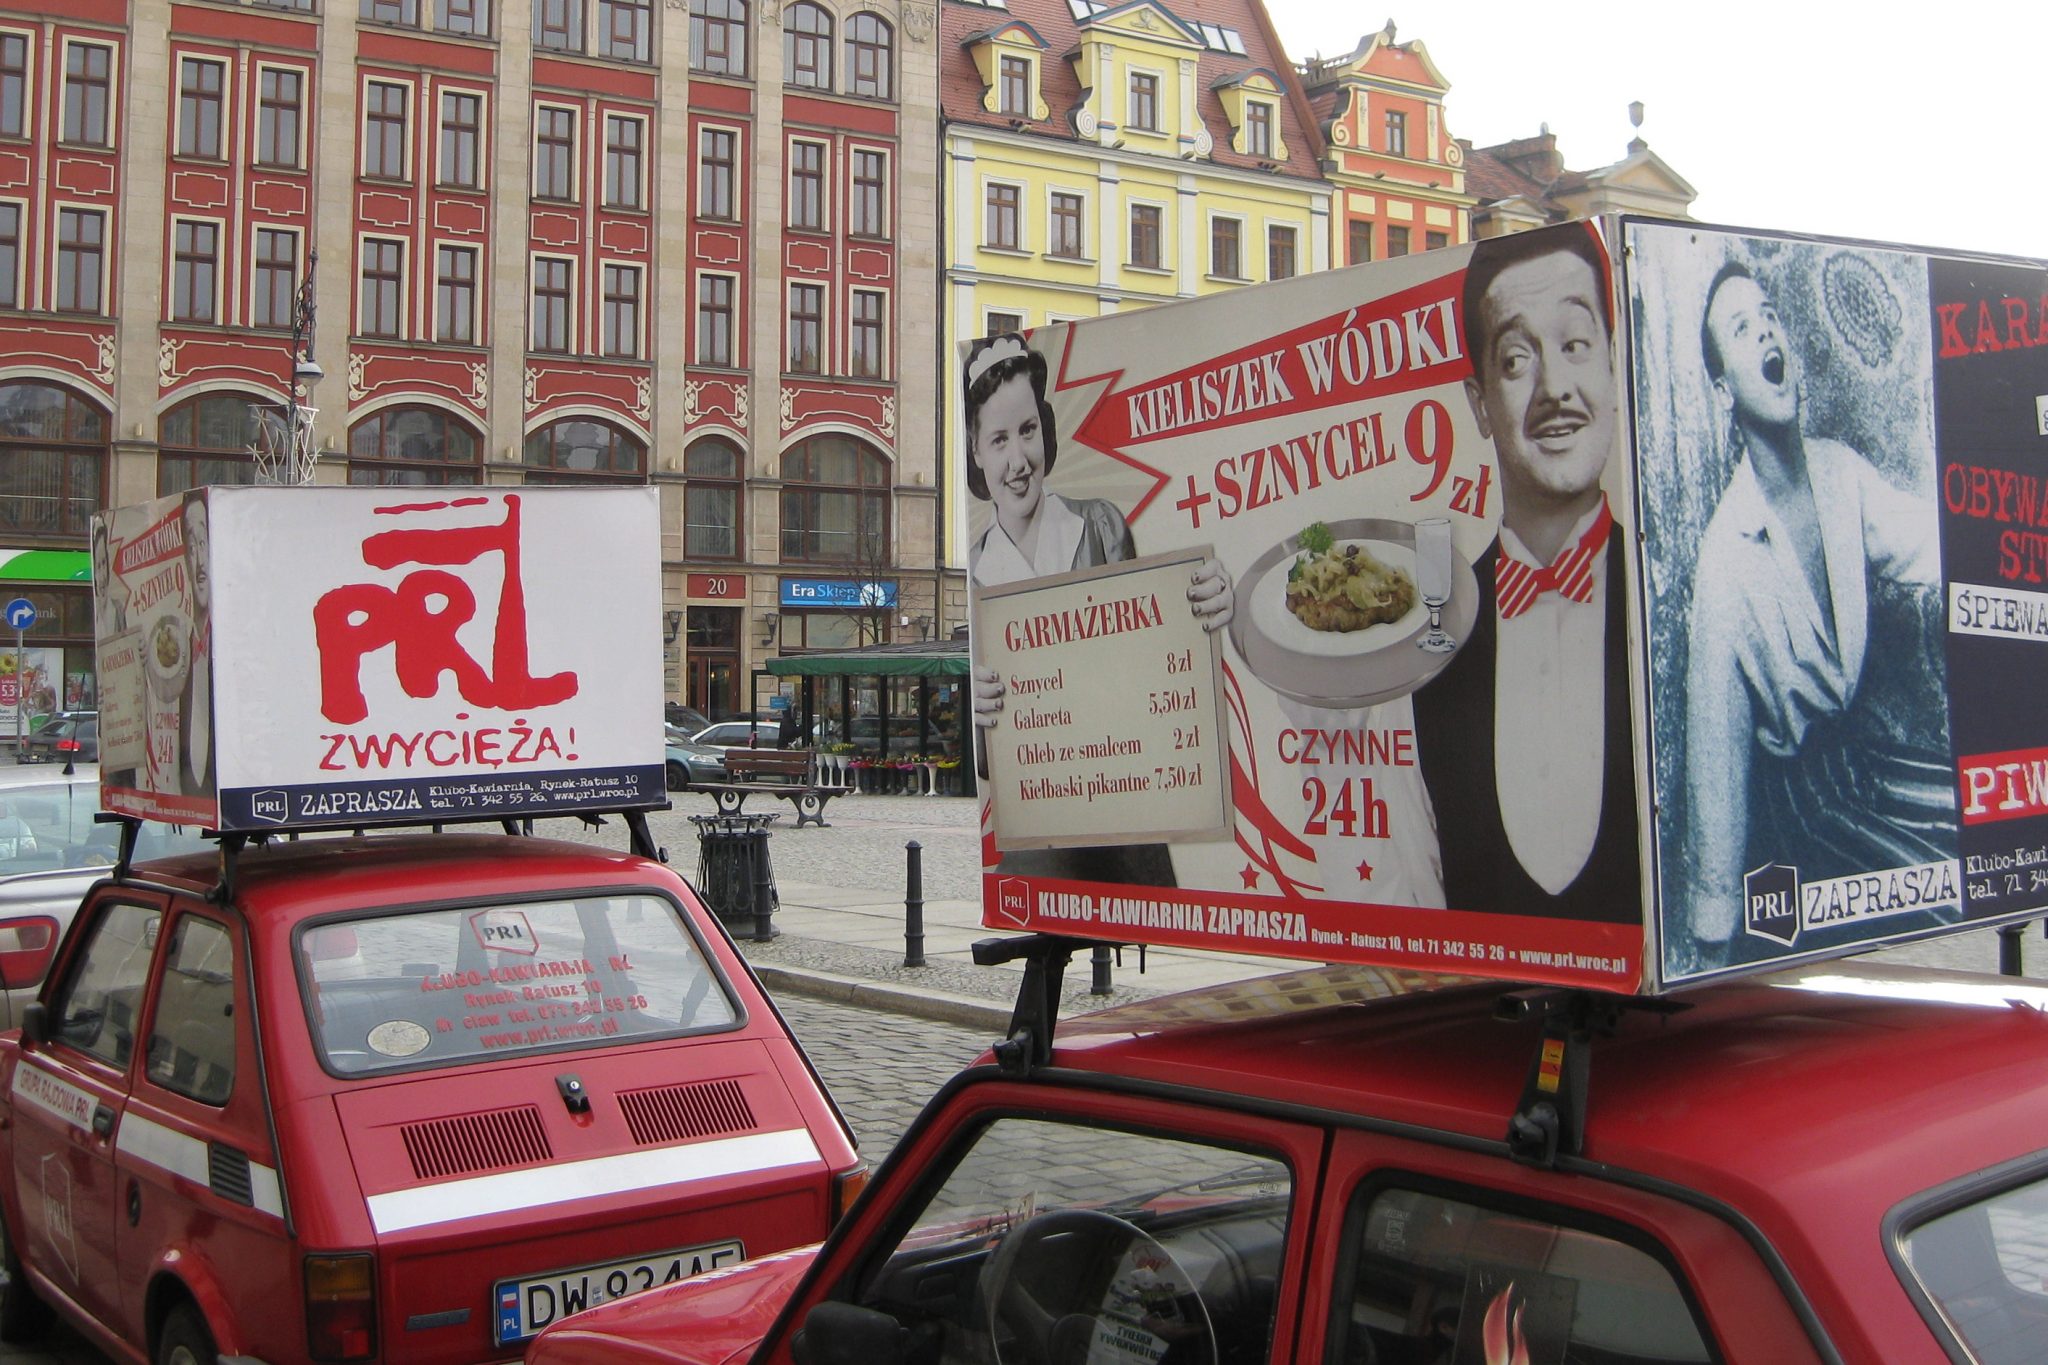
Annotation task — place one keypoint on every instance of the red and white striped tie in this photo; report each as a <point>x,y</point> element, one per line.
<point>1516,585</point>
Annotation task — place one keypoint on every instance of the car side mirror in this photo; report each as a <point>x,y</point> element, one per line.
<point>35,1022</point>
<point>847,1334</point>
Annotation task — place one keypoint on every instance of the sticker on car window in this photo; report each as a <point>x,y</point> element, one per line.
<point>399,1038</point>
<point>504,931</point>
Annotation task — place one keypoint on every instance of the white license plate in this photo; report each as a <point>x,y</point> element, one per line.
<point>523,1307</point>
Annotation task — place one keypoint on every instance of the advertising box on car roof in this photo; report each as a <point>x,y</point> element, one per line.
<point>305,657</point>
<point>1616,605</point>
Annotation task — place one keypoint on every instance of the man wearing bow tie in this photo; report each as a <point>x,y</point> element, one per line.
<point>1524,739</point>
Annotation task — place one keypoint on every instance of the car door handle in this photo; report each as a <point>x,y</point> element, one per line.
<point>102,1120</point>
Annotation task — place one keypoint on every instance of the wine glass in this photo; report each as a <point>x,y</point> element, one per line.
<point>1433,565</point>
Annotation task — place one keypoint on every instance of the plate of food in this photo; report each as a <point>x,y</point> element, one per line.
<point>165,650</point>
<point>1349,613</point>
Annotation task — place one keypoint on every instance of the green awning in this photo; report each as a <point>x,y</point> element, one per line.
<point>45,566</point>
<point>923,659</point>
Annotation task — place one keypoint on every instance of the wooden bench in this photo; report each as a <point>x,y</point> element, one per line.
<point>791,774</point>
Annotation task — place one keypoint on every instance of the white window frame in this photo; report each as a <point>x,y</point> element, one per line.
<point>405,278</point>
<point>31,42</point>
<point>252,261</point>
<point>1272,148</point>
<point>1209,224</point>
<point>114,87</point>
<point>1300,243</point>
<point>575,113</point>
<point>570,313</point>
<point>220,271</point>
<point>227,106</point>
<point>883,370</point>
<point>305,75</point>
<point>825,183</point>
<point>1023,188</point>
<point>988,327</point>
<point>824,289</point>
<point>853,153</point>
<point>408,143</point>
<point>697,356</point>
<point>641,308</point>
<point>1087,213</point>
<point>1159,90</point>
<point>642,186</point>
<point>21,232</point>
<point>58,208</point>
<point>1165,264</point>
<point>483,138</point>
<point>476,289</point>
<point>736,190</point>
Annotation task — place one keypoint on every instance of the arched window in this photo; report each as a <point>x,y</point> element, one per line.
<point>711,501</point>
<point>870,57</point>
<point>584,450</point>
<point>807,46</point>
<point>207,440</point>
<point>718,37</point>
<point>414,444</point>
<point>54,452</point>
<point>835,502</point>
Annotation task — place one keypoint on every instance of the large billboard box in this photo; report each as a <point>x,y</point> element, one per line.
<point>291,658</point>
<point>1616,605</point>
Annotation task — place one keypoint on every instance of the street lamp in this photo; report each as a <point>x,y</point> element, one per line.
<point>284,449</point>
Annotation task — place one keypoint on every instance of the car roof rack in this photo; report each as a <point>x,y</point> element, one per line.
<point>640,837</point>
<point>1028,1044</point>
<point>1550,1119</point>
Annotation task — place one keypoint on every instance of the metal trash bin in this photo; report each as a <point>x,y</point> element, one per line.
<point>734,876</point>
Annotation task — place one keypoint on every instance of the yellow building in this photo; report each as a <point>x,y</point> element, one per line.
<point>1100,157</point>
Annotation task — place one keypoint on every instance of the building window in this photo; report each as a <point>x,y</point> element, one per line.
<point>711,499</point>
<point>81,257</point>
<point>383,287</point>
<point>277,278</point>
<point>1004,203</point>
<point>1432,240</point>
<point>1397,133</point>
<point>585,450</point>
<point>195,267</point>
<point>1397,241</point>
<point>1002,324</point>
<point>622,311</point>
<point>1063,237</point>
<point>469,17</point>
<point>807,46</point>
<point>13,85</point>
<point>413,444</point>
<point>1145,235</point>
<point>405,12</point>
<point>199,101</point>
<point>53,460</point>
<point>1258,128</point>
<point>1358,241</point>
<point>622,141</point>
<point>625,29</point>
<point>1280,256</point>
<point>88,80</point>
<point>835,502</point>
<point>384,131</point>
<point>550,304</point>
<point>867,209</point>
<point>277,118</point>
<point>1013,87</point>
<point>870,57</point>
<point>461,129</point>
<point>806,328</point>
<point>554,152</point>
<point>558,25</point>
<point>206,440</point>
<point>1226,256</point>
<point>10,255</point>
<point>716,152</point>
<point>1144,110</point>
<point>455,295</point>
<point>864,358</point>
<point>718,37</point>
<point>807,186</point>
<point>714,320</point>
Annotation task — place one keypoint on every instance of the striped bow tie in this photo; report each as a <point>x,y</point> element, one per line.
<point>1516,585</point>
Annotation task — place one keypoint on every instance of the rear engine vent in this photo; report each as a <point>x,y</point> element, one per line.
<point>227,1173</point>
<point>476,1142</point>
<point>675,1113</point>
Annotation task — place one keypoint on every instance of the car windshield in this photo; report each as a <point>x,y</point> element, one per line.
<point>445,987</point>
<point>1985,1266</point>
<point>49,825</point>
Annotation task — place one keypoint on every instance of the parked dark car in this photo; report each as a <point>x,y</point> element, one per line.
<point>74,735</point>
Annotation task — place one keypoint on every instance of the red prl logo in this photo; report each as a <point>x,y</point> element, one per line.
<point>420,617</point>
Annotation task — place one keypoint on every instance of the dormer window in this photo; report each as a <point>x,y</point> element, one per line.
<point>1258,129</point>
<point>1397,133</point>
<point>1144,102</point>
<point>1014,88</point>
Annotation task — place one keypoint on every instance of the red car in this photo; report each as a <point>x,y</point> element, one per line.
<point>1836,1164</point>
<point>403,1098</point>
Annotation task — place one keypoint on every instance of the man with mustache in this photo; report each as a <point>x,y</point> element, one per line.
<point>1815,714</point>
<point>1524,739</point>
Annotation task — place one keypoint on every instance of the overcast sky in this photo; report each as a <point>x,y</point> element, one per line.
<point>1929,130</point>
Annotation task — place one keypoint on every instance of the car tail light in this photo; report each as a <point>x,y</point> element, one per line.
<point>341,1307</point>
<point>25,948</point>
<point>67,746</point>
<point>846,1187</point>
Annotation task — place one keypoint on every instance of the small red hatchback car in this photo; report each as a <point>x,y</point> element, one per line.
<point>1345,1167</point>
<point>405,1098</point>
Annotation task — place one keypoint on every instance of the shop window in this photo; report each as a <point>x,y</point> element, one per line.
<point>712,469</point>
<point>584,450</point>
<point>835,502</point>
<point>206,440</point>
<point>807,47</point>
<point>870,57</point>
<point>54,453</point>
<point>718,37</point>
<point>413,444</point>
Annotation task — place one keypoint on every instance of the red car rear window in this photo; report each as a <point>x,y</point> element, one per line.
<point>446,987</point>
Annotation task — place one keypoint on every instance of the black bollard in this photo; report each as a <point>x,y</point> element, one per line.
<point>2009,950</point>
<point>764,887</point>
<point>913,904</point>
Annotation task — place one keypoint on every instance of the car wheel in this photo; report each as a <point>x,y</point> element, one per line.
<point>23,1316</point>
<point>678,777</point>
<point>185,1340</point>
